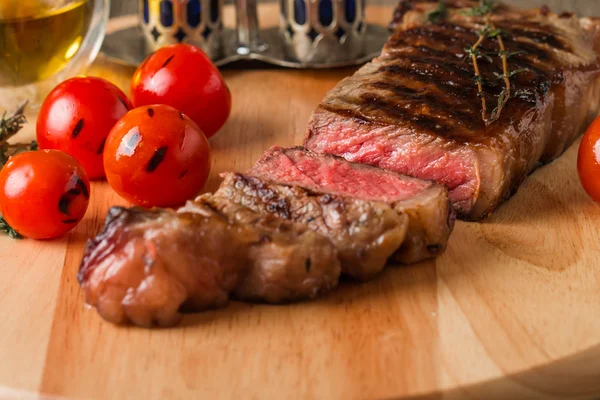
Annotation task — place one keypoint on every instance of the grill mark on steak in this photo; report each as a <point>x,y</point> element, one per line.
<point>366,233</point>
<point>534,31</point>
<point>419,99</point>
<point>419,52</point>
<point>422,121</point>
<point>312,177</point>
<point>453,38</point>
<point>451,106</point>
<point>463,89</point>
<point>350,114</point>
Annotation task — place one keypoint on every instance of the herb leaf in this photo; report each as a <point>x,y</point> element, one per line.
<point>9,126</point>
<point>485,7</point>
<point>517,71</point>
<point>510,54</point>
<point>4,227</point>
<point>438,15</point>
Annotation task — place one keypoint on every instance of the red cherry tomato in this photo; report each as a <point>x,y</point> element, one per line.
<point>182,76</point>
<point>76,118</point>
<point>157,156</point>
<point>588,161</point>
<point>43,194</point>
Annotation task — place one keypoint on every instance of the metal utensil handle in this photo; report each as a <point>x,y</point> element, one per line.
<point>247,25</point>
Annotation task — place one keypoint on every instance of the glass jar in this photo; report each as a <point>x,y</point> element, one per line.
<point>43,42</point>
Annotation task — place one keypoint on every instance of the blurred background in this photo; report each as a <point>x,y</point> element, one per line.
<point>581,7</point>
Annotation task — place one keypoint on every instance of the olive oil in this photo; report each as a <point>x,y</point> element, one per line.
<point>38,38</point>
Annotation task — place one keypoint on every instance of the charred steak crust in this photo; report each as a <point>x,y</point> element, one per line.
<point>146,266</point>
<point>366,233</point>
<point>289,263</point>
<point>430,217</point>
<point>415,109</point>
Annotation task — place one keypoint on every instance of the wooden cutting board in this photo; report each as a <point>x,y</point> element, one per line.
<point>511,310</point>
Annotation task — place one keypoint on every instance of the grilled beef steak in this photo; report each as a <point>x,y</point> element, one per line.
<point>147,265</point>
<point>416,108</point>
<point>366,233</point>
<point>289,263</point>
<point>430,217</point>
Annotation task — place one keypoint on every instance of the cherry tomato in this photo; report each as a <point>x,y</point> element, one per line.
<point>43,194</point>
<point>76,118</point>
<point>182,76</point>
<point>588,161</point>
<point>157,156</point>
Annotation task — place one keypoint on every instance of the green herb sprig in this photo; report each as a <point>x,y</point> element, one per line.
<point>485,10</point>
<point>490,31</point>
<point>10,125</point>
<point>4,227</point>
<point>439,14</point>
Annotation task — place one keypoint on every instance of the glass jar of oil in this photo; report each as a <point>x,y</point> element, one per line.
<point>45,41</point>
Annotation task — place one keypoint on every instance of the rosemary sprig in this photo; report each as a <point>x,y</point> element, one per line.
<point>9,126</point>
<point>4,227</point>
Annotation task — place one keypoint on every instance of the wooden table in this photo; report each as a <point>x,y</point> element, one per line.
<point>511,310</point>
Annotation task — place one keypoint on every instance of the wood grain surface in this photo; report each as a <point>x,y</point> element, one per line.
<point>509,311</point>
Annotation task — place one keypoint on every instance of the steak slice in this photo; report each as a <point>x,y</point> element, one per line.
<point>416,110</point>
<point>289,263</point>
<point>147,265</point>
<point>365,233</point>
<point>430,217</point>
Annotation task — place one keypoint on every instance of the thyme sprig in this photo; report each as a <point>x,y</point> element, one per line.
<point>484,8</point>
<point>437,15</point>
<point>473,54</point>
<point>490,31</point>
<point>4,227</point>
<point>10,125</point>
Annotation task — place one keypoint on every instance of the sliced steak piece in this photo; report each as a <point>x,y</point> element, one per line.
<point>416,108</point>
<point>430,217</point>
<point>147,265</point>
<point>289,263</point>
<point>366,233</point>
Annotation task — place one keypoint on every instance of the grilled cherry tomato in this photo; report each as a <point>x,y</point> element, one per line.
<point>183,77</point>
<point>588,161</point>
<point>76,118</point>
<point>156,156</point>
<point>43,194</point>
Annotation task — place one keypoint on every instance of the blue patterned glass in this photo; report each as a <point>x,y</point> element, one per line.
<point>325,12</point>
<point>214,10</point>
<point>194,13</point>
<point>300,12</point>
<point>146,12</point>
<point>350,10</point>
<point>166,13</point>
